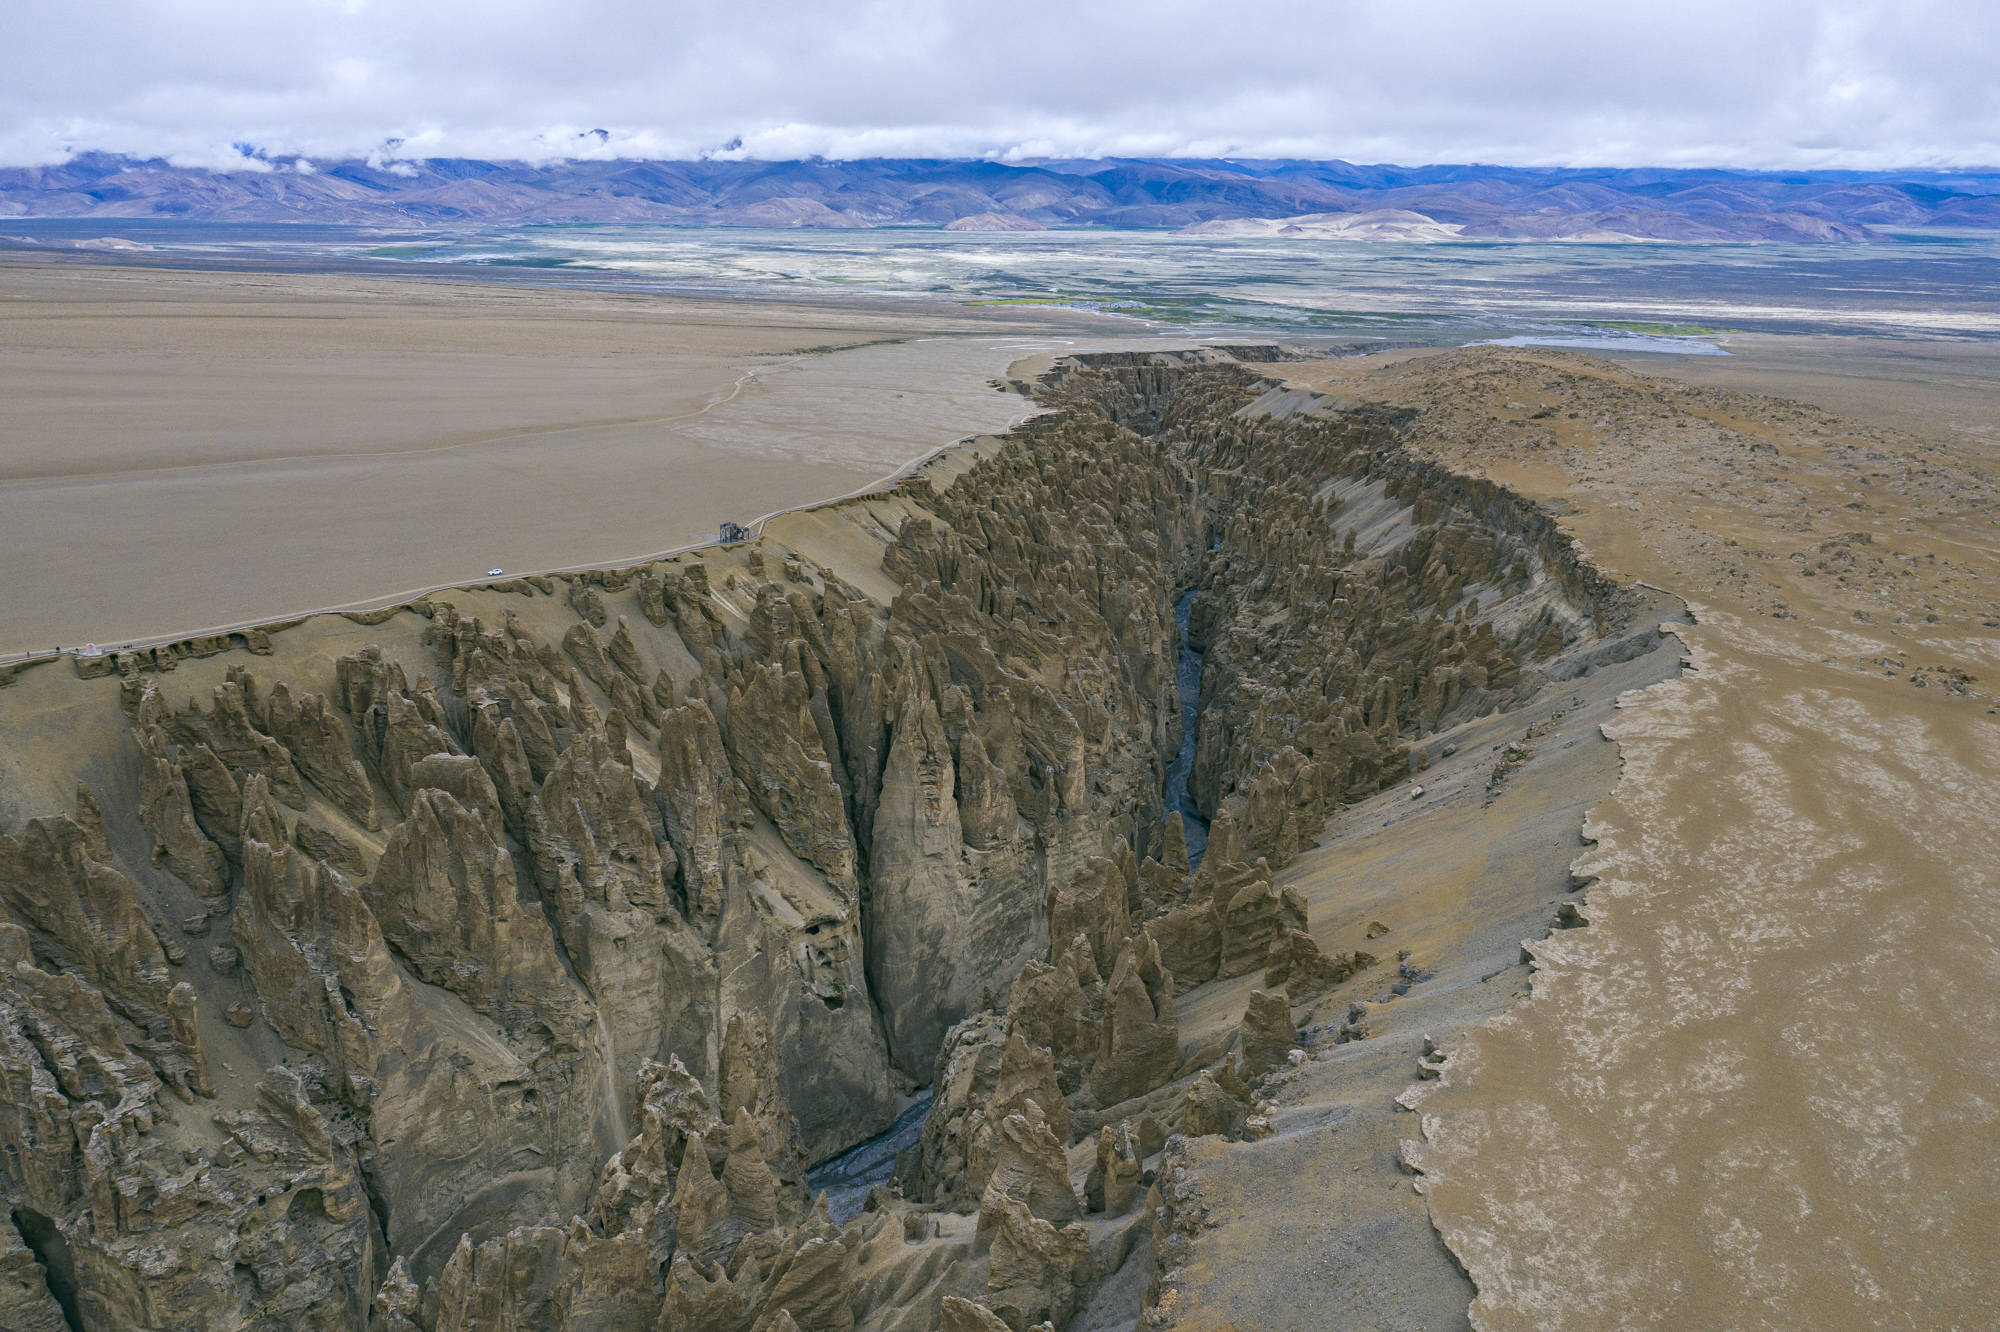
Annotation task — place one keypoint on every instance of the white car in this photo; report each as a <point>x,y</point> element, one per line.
<point>495,573</point>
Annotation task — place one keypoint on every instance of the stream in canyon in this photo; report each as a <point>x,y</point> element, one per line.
<point>1187,676</point>
<point>847,1178</point>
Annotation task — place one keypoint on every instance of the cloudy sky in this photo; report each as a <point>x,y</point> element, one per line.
<point>1763,83</point>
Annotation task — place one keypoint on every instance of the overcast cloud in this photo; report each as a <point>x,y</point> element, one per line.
<point>1760,83</point>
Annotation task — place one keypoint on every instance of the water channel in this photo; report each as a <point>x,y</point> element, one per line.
<point>1187,675</point>
<point>847,1178</point>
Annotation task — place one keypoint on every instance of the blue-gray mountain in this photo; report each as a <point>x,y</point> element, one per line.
<point>1475,202</point>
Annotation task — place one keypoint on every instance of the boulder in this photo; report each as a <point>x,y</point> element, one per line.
<point>1268,1032</point>
<point>957,1315</point>
<point>1217,1102</point>
<point>1299,966</point>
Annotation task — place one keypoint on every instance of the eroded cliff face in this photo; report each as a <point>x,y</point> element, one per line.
<point>502,961</point>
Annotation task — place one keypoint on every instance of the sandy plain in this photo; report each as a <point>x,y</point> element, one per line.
<point>183,450</point>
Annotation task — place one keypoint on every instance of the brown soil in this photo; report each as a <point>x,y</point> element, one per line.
<point>1752,1092</point>
<point>183,450</point>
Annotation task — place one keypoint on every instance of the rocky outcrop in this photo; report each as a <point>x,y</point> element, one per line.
<point>775,747</point>
<point>1030,1168</point>
<point>987,816</point>
<point>623,653</point>
<point>502,1283</point>
<point>988,1072</point>
<point>231,731</point>
<point>597,865</point>
<point>1113,1183</point>
<point>424,1072</point>
<point>445,894</point>
<point>583,648</point>
<point>322,844</point>
<point>84,916</point>
<point>1218,1102</point>
<point>696,791</point>
<point>1038,1271</point>
<point>957,1315</point>
<point>789,947</point>
<point>1268,1032</point>
<point>115,1219</point>
<point>956,1149</point>
<point>1028,1077</point>
<point>1189,938</point>
<point>1298,964</point>
<point>1248,910</point>
<point>27,1303</point>
<point>167,811</point>
<point>398,727</point>
<point>748,1085</point>
<point>917,892</point>
<point>319,745</point>
<point>1057,1008</point>
<point>1096,906</point>
<point>1140,1047</point>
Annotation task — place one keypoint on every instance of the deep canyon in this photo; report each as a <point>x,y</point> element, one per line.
<point>508,958</point>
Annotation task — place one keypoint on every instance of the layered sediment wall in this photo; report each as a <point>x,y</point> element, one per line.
<point>503,959</point>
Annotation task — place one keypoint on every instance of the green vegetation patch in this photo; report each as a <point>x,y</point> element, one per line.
<point>1086,301</point>
<point>1663,330</point>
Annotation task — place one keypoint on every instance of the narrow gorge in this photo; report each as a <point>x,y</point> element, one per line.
<point>514,958</point>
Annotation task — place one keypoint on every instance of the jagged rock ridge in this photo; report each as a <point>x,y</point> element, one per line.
<point>527,964</point>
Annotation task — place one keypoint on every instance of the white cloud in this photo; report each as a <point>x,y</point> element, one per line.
<point>1856,83</point>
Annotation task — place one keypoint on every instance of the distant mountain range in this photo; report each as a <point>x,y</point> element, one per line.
<point>1320,198</point>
